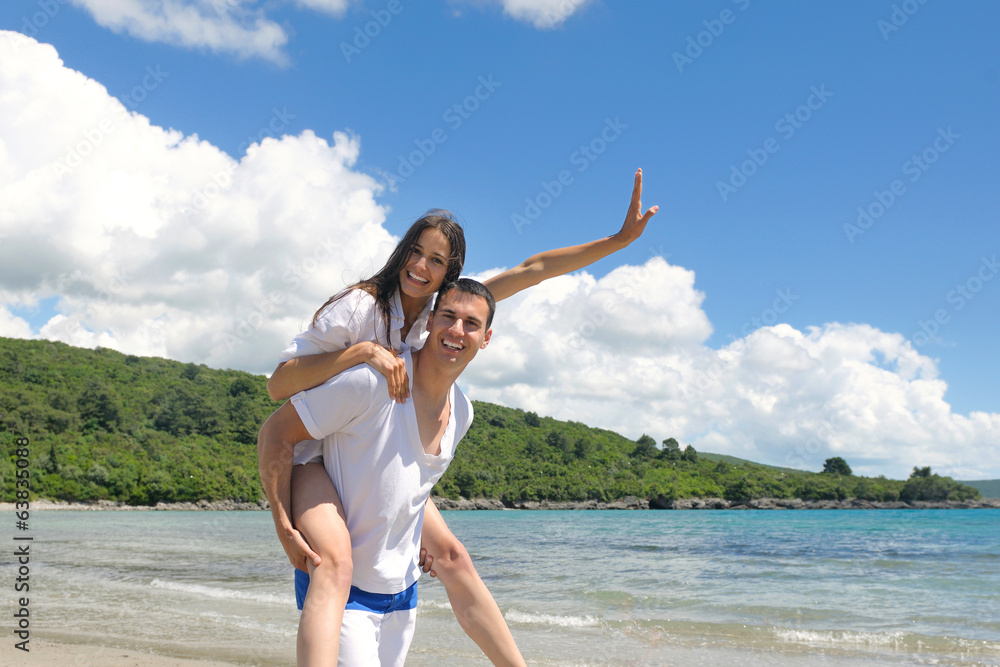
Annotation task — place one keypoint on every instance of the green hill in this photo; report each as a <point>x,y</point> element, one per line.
<point>108,426</point>
<point>733,460</point>
<point>988,488</point>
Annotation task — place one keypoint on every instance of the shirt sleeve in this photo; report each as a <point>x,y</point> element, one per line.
<point>463,414</point>
<point>341,324</point>
<point>333,405</point>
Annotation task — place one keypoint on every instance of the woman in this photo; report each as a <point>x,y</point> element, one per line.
<point>367,323</point>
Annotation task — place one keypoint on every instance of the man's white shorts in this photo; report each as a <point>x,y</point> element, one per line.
<point>377,627</point>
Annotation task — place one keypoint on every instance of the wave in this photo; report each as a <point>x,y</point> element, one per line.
<point>433,605</point>
<point>551,619</point>
<point>515,616</point>
<point>897,641</point>
<point>247,623</point>
<point>842,637</point>
<point>223,593</point>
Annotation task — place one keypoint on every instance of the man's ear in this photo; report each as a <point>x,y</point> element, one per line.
<point>486,339</point>
<point>430,318</point>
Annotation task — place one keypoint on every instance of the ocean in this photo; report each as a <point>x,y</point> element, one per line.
<point>803,587</point>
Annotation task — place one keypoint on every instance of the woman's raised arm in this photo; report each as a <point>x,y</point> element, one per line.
<point>557,262</point>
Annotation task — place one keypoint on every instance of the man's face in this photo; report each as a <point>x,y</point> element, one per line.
<point>458,328</point>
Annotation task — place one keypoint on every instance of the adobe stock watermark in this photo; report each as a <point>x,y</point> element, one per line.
<point>93,137</point>
<point>363,35</point>
<point>120,279</point>
<point>581,158</point>
<point>221,180</point>
<point>150,82</point>
<point>723,361</point>
<point>222,7</point>
<point>47,10</point>
<point>804,452</point>
<point>915,167</point>
<point>595,318</point>
<point>279,121</point>
<point>566,8</point>
<point>244,328</point>
<point>787,125</point>
<point>697,43</point>
<point>454,116</point>
<point>784,299</point>
<point>901,13</point>
<point>957,298</point>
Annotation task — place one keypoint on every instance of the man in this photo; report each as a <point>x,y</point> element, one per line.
<point>384,458</point>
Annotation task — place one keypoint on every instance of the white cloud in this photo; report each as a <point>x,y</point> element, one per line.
<point>242,28</point>
<point>634,361</point>
<point>542,14</point>
<point>12,326</point>
<point>333,7</point>
<point>158,243</point>
<point>222,26</point>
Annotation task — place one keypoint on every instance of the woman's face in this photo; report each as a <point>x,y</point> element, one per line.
<point>427,265</point>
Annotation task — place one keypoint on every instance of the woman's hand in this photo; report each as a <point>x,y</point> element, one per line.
<point>394,369</point>
<point>635,219</point>
<point>297,549</point>
<point>426,562</point>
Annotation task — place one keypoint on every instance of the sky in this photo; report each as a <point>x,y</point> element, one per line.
<point>191,179</point>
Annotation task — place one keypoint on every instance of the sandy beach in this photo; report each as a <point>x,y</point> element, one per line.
<point>51,654</point>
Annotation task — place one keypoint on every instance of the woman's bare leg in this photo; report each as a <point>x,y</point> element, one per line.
<point>319,515</point>
<point>475,608</point>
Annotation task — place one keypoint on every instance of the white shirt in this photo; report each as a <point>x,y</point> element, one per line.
<point>373,454</point>
<point>354,318</point>
<point>349,320</point>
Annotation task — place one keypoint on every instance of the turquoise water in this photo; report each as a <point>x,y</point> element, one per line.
<point>577,588</point>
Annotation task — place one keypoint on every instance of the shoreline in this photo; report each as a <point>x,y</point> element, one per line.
<point>463,504</point>
<point>50,653</point>
<point>633,503</point>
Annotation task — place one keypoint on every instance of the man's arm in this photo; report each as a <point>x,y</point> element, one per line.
<point>275,453</point>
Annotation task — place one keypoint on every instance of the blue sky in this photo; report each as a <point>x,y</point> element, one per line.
<point>761,129</point>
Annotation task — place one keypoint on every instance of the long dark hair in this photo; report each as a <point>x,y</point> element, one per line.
<point>382,285</point>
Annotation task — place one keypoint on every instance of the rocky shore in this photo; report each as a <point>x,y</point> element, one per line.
<point>633,503</point>
<point>627,503</point>
<point>112,506</point>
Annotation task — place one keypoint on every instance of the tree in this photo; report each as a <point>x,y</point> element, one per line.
<point>690,454</point>
<point>645,448</point>
<point>671,450</point>
<point>558,440</point>
<point>836,466</point>
<point>922,485</point>
<point>531,419</point>
<point>583,447</point>
<point>99,405</point>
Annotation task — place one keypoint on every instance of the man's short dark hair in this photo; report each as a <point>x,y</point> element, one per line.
<point>473,287</point>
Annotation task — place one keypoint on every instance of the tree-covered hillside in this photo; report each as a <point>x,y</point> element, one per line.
<point>107,426</point>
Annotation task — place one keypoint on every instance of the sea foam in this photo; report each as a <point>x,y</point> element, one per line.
<point>551,619</point>
<point>222,593</point>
